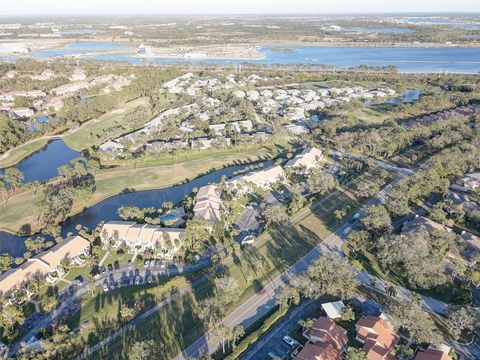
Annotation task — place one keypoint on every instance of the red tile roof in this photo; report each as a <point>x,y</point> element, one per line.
<point>326,330</point>
<point>320,351</point>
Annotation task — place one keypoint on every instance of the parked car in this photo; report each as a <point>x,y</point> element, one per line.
<point>137,280</point>
<point>78,280</point>
<point>158,262</point>
<point>162,264</point>
<point>116,266</point>
<point>103,269</point>
<point>110,268</point>
<point>149,279</point>
<point>146,263</point>
<point>131,280</point>
<point>105,285</point>
<point>129,262</point>
<point>289,341</point>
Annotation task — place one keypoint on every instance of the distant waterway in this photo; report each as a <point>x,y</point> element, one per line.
<point>106,210</point>
<point>80,48</point>
<point>43,163</point>
<point>406,59</point>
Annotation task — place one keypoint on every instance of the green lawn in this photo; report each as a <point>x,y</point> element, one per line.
<point>453,292</point>
<point>21,152</point>
<point>18,212</point>
<point>278,249</point>
<point>87,135</point>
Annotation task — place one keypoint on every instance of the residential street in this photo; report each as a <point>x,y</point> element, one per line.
<point>259,304</point>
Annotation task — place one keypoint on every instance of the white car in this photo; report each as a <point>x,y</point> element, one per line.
<point>289,341</point>
<point>137,280</point>
<point>105,287</point>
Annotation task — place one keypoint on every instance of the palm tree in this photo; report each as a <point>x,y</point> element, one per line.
<point>392,291</point>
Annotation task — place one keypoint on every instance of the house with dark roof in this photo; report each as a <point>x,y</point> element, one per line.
<point>209,203</point>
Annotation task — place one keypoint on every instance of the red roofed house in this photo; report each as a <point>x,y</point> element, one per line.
<point>432,354</point>
<point>321,351</point>
<point>325,330</point>
<point>377,336</point>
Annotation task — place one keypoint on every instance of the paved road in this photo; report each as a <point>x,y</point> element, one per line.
<point>260,303</point>
<point>272,342</point>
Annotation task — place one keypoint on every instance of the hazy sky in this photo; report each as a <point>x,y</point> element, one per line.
<point>105,7</point>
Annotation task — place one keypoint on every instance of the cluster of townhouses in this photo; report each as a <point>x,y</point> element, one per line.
<point>42,101</point>
<point>47,264</point>
<point>326,340</point>
<point>303,163</point>
<point>138,238</point>
<point>208,203</point>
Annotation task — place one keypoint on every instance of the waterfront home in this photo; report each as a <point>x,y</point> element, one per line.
<point>320,351</point>
<point>209,203</point>
<point>377,337</point>
<point>70,88</point>
<point>262,178</point>
<point>78,75</point>
<point>74,249</point>
<point>325,330</point>
<point>111,146</point>
<point>141,237</point>
<point>306,160</point>
<point>21,113</point>
<point>48,264</point>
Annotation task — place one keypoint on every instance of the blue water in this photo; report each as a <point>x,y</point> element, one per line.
<point>106,210</point>
<point>168,217</point>
<point>41,119</point>
<point>43,164</point>
<point>408,96</point>
<point>79,49</point>
<point>381,30</point>
<point>85,100</point>
<point>463,60</point>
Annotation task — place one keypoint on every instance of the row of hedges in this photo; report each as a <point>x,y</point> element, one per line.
<point>255,335</point>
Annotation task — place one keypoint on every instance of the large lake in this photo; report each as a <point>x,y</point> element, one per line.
<point>43,163</point>
<point>80,48</point>
<point>408,59</point>
<point>106,210</point>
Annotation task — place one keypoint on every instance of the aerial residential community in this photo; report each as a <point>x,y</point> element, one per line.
<point>255,180</point>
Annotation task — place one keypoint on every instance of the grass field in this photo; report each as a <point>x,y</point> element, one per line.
<point>19,211</point>
<point>22,152</point>
<point>87,135</point>
<point>275,252</point>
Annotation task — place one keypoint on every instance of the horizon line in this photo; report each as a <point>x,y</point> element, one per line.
<point>471,14</point>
